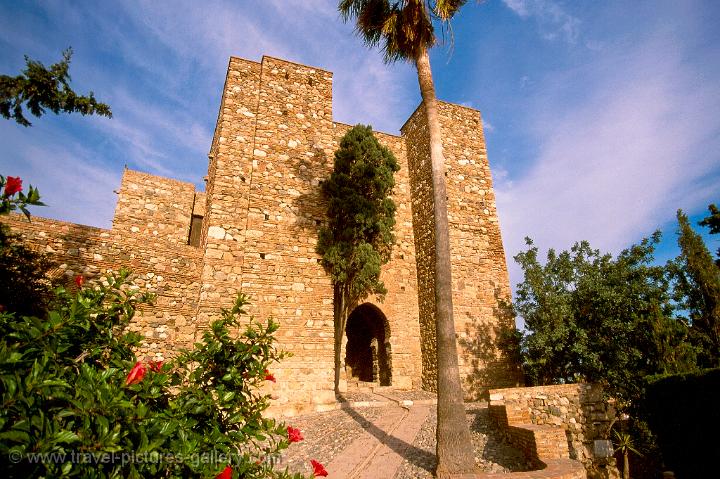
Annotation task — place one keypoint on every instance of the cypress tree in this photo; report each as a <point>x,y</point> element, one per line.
<point>713,221</point>
<point>358,238</point>
<point>700,285</point>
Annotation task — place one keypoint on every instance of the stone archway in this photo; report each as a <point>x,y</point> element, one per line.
<point>368,354</point>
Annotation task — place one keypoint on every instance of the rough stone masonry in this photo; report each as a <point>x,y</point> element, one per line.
<point>254,230</point>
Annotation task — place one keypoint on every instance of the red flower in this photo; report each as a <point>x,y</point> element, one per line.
<point>155,365</point>
<point>225,474</point>
<point>268,376</point>
<point>318,469</point>
<point>294,434</point>
<point>79,281</point>
<point>136,374</point>
<point>13,184</point>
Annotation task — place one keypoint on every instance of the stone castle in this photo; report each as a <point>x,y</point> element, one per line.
<point>254,230</point>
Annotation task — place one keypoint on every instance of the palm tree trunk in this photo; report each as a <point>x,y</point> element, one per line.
<point>455,453</point>
<point>626,465</point>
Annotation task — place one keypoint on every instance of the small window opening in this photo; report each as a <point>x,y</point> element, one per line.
<point>262,255</point>
<point>267,216</point>
<point>195,230</point>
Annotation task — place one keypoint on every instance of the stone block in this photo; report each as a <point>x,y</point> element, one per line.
<point>402,382</point>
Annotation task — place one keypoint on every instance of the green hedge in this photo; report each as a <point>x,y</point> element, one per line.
<point>684,412</point>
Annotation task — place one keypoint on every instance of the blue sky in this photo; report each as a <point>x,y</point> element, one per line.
<point>601,117</point>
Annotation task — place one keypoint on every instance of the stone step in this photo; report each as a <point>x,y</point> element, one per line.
<point>361,386</point>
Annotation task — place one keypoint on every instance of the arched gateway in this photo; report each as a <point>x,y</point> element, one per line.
<point>368,353</point>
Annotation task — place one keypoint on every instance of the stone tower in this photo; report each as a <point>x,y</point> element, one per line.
<point>255,228</point>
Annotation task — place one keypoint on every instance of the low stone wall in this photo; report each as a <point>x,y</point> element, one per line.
<point>564,421</point>
<point>553,469</point>
<point>545,446</point>
<point>170,271</point>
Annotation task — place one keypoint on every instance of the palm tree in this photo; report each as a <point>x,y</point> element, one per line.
<point>625,444</point>
<point>404,30</point>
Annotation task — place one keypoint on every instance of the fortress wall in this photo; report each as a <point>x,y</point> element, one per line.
<point>273,144</point>
<point>281,270</point>
<point>415,133</point>
<point>169,270</point>
<point>479,271</point>
<point>154,207</point>
<point>480,277</point>
<point>226,198</point>
<point>579,410</point>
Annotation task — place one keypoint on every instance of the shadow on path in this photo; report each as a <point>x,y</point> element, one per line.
<point>414,455</point>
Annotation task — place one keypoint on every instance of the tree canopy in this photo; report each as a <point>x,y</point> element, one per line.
<point>39,88</point>
<point>698,292</point>
<point>358,236</point>
<point>592,317</point>
<point>620,321</point>
<point>713,222</point>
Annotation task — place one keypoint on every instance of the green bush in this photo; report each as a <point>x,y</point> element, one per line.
<point>77,403</point>
<point>682,411</point>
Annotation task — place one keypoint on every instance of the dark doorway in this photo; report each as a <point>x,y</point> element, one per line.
<point>368,355</point>
<point>195,230</point>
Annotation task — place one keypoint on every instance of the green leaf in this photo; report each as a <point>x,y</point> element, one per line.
<point>67,437</point>
<point>15,436</point>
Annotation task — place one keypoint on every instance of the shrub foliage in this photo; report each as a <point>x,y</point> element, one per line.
<point>682,410</point>
<point>77,403</point>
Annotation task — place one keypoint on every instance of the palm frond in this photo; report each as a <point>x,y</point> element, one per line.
<point>446,9</point>
<point>402,28</point>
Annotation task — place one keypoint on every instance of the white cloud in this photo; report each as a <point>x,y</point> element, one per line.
<point>519,6</point>
<point>73,185</point>
<point>615,163</point>
<point>365,89</point>
<point>88,196</point>
<point>488,127</point>
<point>145,130</point>
<point>553,21</point>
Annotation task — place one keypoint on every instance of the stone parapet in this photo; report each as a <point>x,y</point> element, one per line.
<point>168,270</point>
<point>155,208</point>
<point>552,469</point>
<point>572,414</point>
